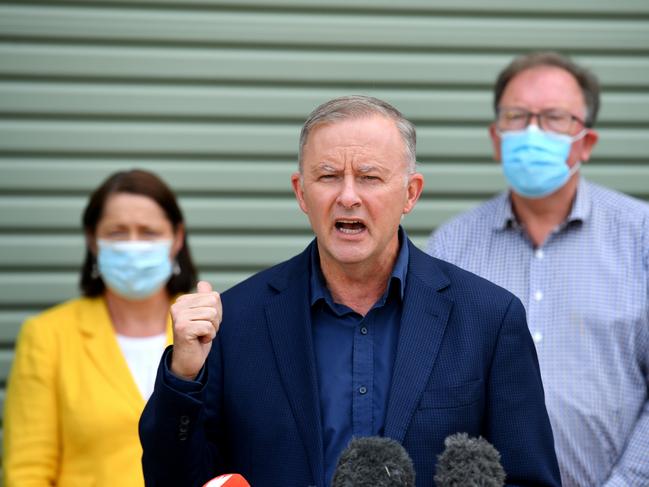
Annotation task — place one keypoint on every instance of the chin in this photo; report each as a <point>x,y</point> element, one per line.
<point>350,256</point>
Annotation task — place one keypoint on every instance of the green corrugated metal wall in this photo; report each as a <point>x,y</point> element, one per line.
<point>211,94</point>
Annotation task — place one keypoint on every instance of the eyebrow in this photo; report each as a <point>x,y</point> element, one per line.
<point>325,167</point>
<point>365,168</point>
<point>361,168</point>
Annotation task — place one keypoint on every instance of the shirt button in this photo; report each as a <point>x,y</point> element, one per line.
<point>539,254</point>
<point>537,336</point>
<point>538,295</point>
<point>363,330</point>
<point>362,390</point>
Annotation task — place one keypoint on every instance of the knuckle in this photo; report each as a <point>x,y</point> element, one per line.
<point>212,331</point>
<point>213,314</point>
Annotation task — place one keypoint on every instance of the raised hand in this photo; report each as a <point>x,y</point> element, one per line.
<point>196,319</point>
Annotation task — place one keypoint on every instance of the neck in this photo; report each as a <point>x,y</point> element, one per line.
<point>359,286</point>
<point>141,318</point>
<point>541,216</point>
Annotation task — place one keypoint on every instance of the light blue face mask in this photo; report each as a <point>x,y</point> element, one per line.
<point>134,269</point>
<point>534,161</point>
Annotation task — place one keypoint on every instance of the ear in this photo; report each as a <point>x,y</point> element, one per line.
<point>414,189</point>
<point>179,240</point>
<point>495,141</point>
<point>587,144</point>
<point>298,190</point>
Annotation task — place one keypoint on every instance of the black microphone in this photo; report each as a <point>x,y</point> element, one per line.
<point>469,462</point>
<point>374,462</point>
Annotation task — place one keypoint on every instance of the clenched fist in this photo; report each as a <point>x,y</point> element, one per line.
<point>196,319</point>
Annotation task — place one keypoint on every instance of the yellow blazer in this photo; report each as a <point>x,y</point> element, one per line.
<point>72,409</point>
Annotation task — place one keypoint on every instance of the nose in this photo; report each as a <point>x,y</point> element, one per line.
<point>348,197</point>
<point>535,118</point>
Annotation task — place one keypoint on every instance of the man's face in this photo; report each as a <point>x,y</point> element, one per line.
<point>548,87</point>
<point>354,188</point>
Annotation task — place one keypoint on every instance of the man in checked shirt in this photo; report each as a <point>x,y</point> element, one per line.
<point>577,255</point>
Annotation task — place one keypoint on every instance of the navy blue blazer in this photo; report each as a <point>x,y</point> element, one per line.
<point>465,363</point>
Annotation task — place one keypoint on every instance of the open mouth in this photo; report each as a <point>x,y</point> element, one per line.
<point>350,227</point>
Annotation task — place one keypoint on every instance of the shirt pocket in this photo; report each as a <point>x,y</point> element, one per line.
<point>455,396</point>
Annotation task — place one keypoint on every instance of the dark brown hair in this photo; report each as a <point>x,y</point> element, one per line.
<point>135,181</point>
<point>586,80</point>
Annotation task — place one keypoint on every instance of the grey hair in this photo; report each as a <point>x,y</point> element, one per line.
<point>360,106</point>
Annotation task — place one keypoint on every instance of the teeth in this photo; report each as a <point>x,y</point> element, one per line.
<point>350,226</point>
<point>349,230</point>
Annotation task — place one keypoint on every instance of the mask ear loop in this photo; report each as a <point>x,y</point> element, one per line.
<point>577,164</point>
<point>580,135</point>
<point>574,169</point>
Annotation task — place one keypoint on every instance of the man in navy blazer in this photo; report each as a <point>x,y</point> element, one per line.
<point>361,334</point>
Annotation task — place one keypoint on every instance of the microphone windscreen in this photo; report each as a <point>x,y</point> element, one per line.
<point>228,480</point>
<point>374,462</point>
<point>469,461</point>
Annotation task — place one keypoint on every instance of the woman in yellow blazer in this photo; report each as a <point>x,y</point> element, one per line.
<point>84,369</point>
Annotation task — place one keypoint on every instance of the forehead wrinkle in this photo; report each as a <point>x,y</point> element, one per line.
<point>346,152</point>
<point>355,160</point>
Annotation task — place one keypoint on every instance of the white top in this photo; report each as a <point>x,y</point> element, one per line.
<point>142,355</point>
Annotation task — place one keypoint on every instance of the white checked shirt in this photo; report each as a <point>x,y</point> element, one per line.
<point>586,295</point>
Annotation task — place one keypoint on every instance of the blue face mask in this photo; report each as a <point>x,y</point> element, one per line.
<point>534,161</point>
<point>134,269</point>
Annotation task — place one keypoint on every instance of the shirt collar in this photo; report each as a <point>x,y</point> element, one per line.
<point>581,208</point>
<point>504,217</point>
<point>319,288</point>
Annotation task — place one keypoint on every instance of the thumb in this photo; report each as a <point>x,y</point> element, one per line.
<point>204,287</point>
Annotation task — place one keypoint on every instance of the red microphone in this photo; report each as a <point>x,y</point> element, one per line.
<point>228,480</point>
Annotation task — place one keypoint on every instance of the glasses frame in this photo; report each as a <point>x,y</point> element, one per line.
<point>539,117</point>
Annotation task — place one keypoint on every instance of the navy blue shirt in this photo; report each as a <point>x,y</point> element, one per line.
<point>354,358</point>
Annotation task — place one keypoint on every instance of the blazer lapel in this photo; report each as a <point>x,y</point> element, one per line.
<point>101,346</point>
<point>289,324</point>
<point>423,321</point>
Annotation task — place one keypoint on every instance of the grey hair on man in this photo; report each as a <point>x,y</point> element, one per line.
<point>360,106</point>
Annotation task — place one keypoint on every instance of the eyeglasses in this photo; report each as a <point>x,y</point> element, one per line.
<point>550,120</point>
